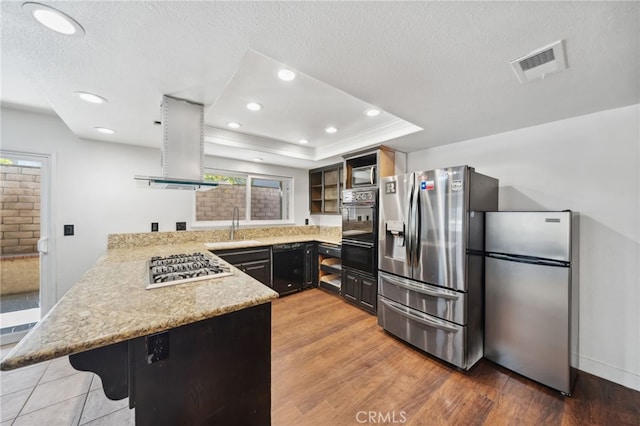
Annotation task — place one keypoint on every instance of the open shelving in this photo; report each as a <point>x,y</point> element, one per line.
<point>329,268</point>
<point>325,189</point>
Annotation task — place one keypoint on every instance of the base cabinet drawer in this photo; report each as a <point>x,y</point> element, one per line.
<point>440,338</point>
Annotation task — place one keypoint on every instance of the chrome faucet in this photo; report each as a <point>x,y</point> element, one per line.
<point>235,222</point>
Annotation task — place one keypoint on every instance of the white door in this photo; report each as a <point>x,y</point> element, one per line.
<point>28,291</point>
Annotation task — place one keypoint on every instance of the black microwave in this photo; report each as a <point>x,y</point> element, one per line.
<point>363,176</point>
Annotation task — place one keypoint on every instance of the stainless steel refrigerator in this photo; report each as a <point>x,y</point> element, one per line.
<point>531,294</point>
<point>430,260</point>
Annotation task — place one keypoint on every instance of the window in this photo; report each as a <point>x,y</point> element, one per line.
<point>260,199</point>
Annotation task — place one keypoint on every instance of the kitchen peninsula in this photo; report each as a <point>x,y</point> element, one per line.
<point>192,352</point>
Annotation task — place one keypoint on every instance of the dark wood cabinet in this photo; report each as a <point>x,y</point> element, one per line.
<point>260,270</point>
<point>360,289</point>
<point>368,293</point>
<point>350,288</point>
<point>310,265</point>
<point>255,261</point>
<point>219,371</point>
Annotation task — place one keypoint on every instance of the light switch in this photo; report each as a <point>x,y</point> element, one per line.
<point>68,229</point>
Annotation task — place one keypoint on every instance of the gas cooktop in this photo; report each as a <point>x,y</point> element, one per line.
<point>183,268</point>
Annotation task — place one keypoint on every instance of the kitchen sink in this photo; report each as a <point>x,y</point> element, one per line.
<point>231,244</point>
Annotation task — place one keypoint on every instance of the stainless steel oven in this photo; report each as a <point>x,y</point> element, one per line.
<point>359,229</point>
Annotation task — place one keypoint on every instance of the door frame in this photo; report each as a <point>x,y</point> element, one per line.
<point>48,287</point>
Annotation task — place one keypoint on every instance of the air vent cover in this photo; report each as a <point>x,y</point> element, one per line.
<point>539,63</point>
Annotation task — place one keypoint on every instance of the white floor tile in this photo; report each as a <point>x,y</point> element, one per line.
<point>5,349</point>
<point>123,417</point>
<point>96,383</point>
<point>57,391</point>
<point>58,369</point>
<point>98,405</point>
<point>65,413</point>
<point>11,404</point>
<point>22,378</point>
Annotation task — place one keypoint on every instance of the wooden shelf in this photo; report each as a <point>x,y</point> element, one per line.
<point>329,270</point>
<point>325,189</point>
<point>332,269</point>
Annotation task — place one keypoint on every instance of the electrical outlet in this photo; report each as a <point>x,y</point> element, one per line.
<point>181,226</point>
<point>157,347</point>
<point>68,229</point>
<point>154,226</point>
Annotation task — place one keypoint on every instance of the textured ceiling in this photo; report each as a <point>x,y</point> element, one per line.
<point>443,66</point>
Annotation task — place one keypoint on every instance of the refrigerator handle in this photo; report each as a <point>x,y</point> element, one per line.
<point>429,322</point>
<point>409,236</point>
<point>528,259</point>
<point>442,294</point>
<point>417,226</point>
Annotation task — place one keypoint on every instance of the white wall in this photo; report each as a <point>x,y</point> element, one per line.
<point>589,164</point>
<point>94,189</point>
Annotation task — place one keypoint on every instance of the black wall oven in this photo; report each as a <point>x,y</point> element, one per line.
<point>359,256</point>
<point>359,230</point>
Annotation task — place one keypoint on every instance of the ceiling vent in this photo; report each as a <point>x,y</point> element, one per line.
<point>537,64</point>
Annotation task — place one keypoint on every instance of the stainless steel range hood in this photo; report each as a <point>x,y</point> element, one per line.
<point>182,147</point>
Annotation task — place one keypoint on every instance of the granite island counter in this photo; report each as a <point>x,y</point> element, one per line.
<point>192,353</point>
<point>175,351</point>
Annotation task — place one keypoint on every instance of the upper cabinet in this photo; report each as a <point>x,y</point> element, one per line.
<point>365,168</point>
<point>325,189</point>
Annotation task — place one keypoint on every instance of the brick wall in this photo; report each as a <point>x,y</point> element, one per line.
<point>218,203</point>
<point>265,204</point>
<point>19,209</point>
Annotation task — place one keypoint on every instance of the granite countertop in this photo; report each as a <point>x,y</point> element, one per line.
<point>110,303</point>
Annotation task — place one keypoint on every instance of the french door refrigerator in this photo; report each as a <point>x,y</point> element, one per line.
<point>531,294</point>
<point>430,260</point>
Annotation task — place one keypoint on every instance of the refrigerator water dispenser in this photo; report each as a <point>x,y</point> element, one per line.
<point>394,237</point>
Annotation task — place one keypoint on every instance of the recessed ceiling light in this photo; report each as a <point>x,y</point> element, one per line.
<point>254,106</point>
<point>330,129</point>
<point>53,19</point>
<point>234,125</point>
<point>372,112</point>
<point>286,75</point>
<point>257,159</point>
<point>105,131</point>
<point>90,97</point>
<point>303,141</point>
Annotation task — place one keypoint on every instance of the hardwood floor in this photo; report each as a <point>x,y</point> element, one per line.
<point>333,365</point>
